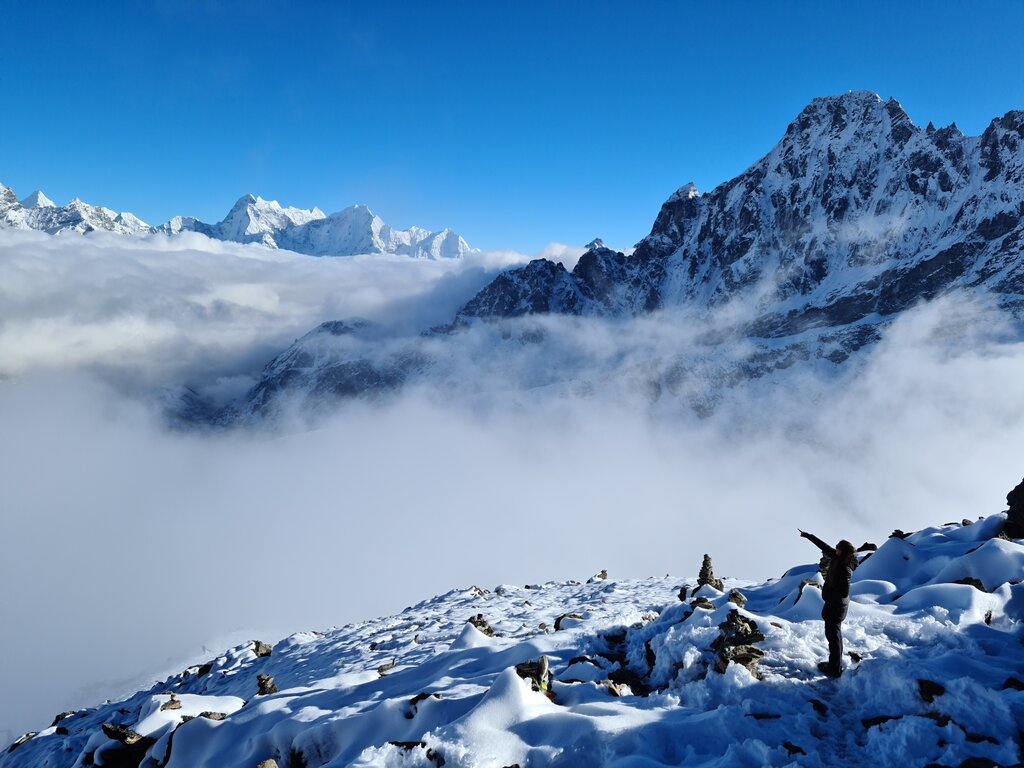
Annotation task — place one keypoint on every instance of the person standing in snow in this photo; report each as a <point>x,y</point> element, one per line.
<point>836,594</point>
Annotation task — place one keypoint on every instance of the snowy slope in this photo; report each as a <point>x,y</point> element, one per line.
<point>642,677</point>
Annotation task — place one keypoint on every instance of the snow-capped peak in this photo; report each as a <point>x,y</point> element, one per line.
<point>686,192</point>
<point>594,244</point>
<point>38,200</point>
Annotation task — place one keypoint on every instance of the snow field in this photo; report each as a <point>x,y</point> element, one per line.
<point>426,688</point>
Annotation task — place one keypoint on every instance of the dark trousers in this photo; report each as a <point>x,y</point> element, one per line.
<point>833,614</point>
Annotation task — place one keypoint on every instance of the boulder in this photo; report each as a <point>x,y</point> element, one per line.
<point>735,644</point>
<point>480,623</point>
<point>261,649</point>
<point>1014,525</point>
<point>560,621</point>
<point>266,685</point>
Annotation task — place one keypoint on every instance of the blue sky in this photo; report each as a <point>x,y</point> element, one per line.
<point>517,124</point>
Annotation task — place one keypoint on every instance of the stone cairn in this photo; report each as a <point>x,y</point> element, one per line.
<point>707,576</point>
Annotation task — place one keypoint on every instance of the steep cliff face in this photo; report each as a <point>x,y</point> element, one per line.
<point>854,217</point>
<point>856,213</point>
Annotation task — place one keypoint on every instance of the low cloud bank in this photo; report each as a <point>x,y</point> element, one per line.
<point>131,548</point>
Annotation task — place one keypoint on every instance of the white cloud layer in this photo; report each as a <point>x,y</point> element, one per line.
<point>129,548</point>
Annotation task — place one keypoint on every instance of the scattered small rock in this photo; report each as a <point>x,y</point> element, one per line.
<point>261,649</point>
<point>414,703</point>
<point>383,669</point>
<point>268,764</point>
<point>702,602</point>
<point>683,590</point>
<point>60,730</point>
<point>867,546</point>
<point>122,734</point>
<point>266,685</point>
<point>213,715</point>
<point>973,582</point>
<point>793,749</point>
<point>855,657</point>
<point>476,591</point>
<point>979,738</point>
<point>173,703</point>
<point>819,707</point>
<point>560,619</point>
<point>735,596</point>
<point>898,534</point>
<point>940,719</point>
<point>480,623</point>
<point>21,740</point>
<point>204,669</point>
<point>988,617</point>
<point>707,575</point>
<point>618,690</point>
<point>763,715</point>
<point>1013,684</point>
<point>929,689</point>
<point>871,722</point>
<point>62,716</point>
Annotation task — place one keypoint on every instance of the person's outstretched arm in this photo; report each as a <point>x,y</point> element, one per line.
<point>825,548</point>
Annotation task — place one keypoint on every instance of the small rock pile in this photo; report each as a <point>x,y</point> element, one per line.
<point>736,644</point>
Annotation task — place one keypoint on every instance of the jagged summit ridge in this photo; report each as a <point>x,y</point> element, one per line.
<point>252,219</point>
<point>855,216</point>
<point>855,212</point>
<point>350,231</point>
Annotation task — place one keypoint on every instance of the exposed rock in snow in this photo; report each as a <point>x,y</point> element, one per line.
<point>639,677</point>
<point>39,212</point>
<point>853,218</point>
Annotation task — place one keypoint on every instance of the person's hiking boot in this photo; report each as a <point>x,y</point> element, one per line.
<point>828,670</point>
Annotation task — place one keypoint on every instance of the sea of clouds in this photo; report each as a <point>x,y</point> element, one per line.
<point>132,549</point>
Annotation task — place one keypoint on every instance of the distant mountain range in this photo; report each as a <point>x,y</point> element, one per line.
<point>354,230</point>
<point>854,217</point>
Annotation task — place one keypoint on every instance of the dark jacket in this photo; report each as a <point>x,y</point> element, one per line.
<point>836,590</point>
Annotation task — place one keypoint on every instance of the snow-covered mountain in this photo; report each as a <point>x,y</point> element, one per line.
<point>854,217</point>
<point>354,230</point>
<point>666,671</point>
<point>38,212</point>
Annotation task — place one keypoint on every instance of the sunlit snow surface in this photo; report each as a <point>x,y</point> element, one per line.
<point>339,704</point>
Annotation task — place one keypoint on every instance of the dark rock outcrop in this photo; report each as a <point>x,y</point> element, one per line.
<point>735,644</point>
<point>1014,526</point>
<point>265,685</point>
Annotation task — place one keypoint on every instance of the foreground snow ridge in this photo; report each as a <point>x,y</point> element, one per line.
<point>934,638</point>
